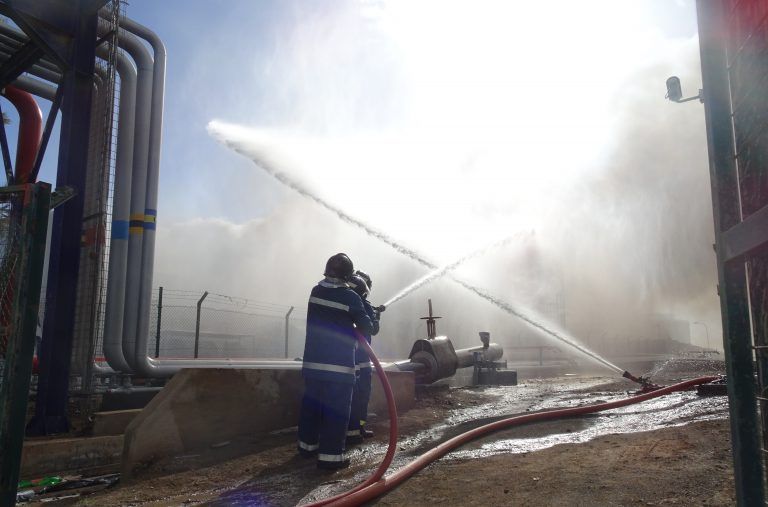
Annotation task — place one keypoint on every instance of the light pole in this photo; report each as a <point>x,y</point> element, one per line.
<point>706,328</point>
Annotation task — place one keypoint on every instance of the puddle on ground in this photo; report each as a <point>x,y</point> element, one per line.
<point>670,410</point>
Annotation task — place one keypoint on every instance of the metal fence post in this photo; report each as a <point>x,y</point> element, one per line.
<point>24,279</point>
<point>286,331</point>
<point>159,320</point>
<point>197,325</point>
<point>715,32</point>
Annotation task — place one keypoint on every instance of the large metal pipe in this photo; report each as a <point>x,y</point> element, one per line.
<point>45,69</point>
<point>35,87</point>
<point>30,132</point>
<point>143,61</point>
<point>121,209</point>
<point>121,201</point>
<point>429,369</point>
<point>468,357</point>
<point>142,360</point>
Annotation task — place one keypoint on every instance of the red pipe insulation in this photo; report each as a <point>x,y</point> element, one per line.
<point>30,132</point>
<point>362,494</point>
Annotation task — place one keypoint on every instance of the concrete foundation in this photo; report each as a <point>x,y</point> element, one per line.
<point>112,423</point>
<point>41,457</point>
<point>200,408</point>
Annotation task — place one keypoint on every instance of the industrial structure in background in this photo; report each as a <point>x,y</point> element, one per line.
<point>734,68</point>
<point>104,77</point>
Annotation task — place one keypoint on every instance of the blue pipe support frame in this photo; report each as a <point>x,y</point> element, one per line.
<point>732,284</point>
<point>64,264</point>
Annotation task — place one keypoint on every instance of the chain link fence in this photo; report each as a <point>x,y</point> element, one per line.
<point>23,226</point>
<point>188,324</point>
<point>10,257</point>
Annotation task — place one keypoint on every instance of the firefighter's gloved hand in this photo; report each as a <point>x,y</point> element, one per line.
<point>381,308</point>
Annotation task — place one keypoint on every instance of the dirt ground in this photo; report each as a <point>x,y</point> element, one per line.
<point>675,451</point>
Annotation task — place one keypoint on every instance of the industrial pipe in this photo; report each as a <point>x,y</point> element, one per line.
<point>121,210</point>
<point>30,132</point>
<point>121,201</point>
<point>35,87</point>
<point>466,357</point>
<point>143,62</point>
<point>359,496</point>
<point>142,359</point>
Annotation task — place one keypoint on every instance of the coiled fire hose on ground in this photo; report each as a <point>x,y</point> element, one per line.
<point>377,485</point>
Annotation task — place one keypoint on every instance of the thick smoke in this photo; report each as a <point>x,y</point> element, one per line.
<point>615,188</point>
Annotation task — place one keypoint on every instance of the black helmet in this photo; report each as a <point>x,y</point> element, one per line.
<point>365,277</point>
<point>358,284</point>
<point>339,266</point>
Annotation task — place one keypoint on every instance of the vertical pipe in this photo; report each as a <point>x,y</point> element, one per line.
<point>197,322</point>
<point>159,321</point>
<point>747,458</point>
<point>287,315</point>
<point>143,60</point>
<point>114,313</point>
<point>152,182</point>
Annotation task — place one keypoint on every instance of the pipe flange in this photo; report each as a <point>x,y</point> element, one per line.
<point>430,364</point>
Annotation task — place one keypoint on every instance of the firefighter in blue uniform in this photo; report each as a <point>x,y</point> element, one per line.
<point>361,283</point>
<point>335,314</point>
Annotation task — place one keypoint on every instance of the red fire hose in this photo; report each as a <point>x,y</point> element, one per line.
<point>392,409</point>
<point>375,486</point>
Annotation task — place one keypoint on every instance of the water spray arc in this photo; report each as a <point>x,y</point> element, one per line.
<point>437,273</point>
<point>220,131</point>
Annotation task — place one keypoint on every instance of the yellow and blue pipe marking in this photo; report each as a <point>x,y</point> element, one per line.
<point>138,222</point>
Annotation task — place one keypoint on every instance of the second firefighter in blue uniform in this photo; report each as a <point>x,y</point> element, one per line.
<point>361,283</point>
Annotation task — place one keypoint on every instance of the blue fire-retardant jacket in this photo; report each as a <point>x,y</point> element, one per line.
<point>361,356</point>
<point>335,314</point>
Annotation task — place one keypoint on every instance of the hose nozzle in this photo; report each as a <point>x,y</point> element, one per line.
<point>631,377</point>
<point>647,385</point>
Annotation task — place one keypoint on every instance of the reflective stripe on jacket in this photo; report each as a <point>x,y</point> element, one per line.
<point>334,314</point>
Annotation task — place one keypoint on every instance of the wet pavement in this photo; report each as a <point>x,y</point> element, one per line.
<point>296,480</point>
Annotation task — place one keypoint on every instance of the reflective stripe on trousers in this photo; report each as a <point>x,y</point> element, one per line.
<point>308,447</point>
<point>330,457</point>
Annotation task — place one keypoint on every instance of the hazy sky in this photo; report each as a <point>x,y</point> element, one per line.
<point>244,61</point>
<point>446,124</point>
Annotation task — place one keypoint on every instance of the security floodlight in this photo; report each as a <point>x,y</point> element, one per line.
<point>675,91</point>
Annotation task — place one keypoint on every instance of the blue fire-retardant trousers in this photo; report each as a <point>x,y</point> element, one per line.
<point>324,418</point>
<point>361,396</point>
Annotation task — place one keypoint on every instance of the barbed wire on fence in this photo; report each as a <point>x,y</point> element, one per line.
<point>218,325</point>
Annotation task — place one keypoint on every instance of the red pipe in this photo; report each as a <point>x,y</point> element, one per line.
<point>360,495</point>
<point>30,132</point>
<point>392,409</point>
